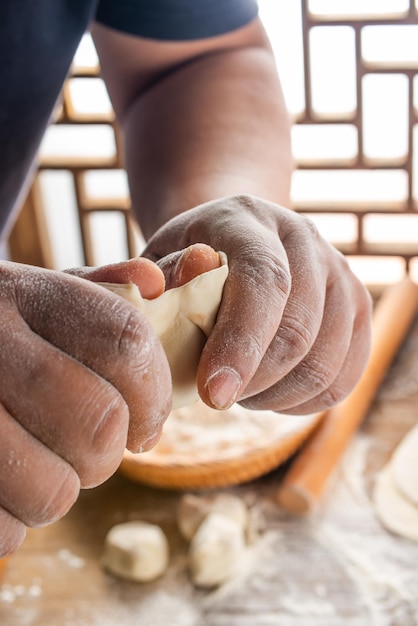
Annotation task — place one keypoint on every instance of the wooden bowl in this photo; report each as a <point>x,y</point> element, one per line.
<point>3,563</point>
<point>203,448</point>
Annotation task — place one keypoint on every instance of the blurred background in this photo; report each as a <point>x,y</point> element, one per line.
<point>349,71</point>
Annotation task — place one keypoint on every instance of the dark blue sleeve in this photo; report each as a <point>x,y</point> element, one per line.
<point>176,20</point>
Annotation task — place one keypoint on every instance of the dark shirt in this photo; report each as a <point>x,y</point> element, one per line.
<point>38,39</point>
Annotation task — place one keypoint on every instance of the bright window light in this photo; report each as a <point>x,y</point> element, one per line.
<point>358,8</point>
<point>333,70</point>
<point>283,23</point>
<point>109,239</point>
<point>390,45</point>
<point>385,116</point>
<point>313,143</point>
<point>106,184</point>
<point>89,96</point>
<point>61,214</point>
<point>377,270</point>
<point>96,141</point>
<point>349,189</point>
<point>388,228</point>
<point>86,55</point>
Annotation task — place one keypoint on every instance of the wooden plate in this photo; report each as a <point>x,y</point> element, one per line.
<point>204,448</point>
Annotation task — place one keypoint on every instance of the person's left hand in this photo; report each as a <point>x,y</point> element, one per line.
<point>293,330</point>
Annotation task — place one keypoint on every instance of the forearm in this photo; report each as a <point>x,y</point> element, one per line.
<point>214,127</point>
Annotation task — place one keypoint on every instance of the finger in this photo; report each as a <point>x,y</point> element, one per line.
<point>302,316</point>
<point>72,410</point>
<point>255,294</point>
<point>348,376</point>
<point>142,272</point>
<point>181,267</point>
<point>316,373</point>
<point>36,486</point>
<point>105,333</point>
<point>12,533</point>
<point>253,302</point>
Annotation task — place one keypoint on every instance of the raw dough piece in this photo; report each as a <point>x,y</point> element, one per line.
<point>194,509</point>
<point>182,317</point>
<point>215,550</point>
<point>405,466</point>
<point>136,551</point>
<point>394,511</point>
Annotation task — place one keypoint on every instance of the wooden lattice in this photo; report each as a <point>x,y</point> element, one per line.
<point>360,161</point>
<point>402,166</point>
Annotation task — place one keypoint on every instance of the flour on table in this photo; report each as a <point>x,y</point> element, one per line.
<point>71,559</point>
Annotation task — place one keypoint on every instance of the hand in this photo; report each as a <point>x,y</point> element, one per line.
<point>82,375</point>
<point>293,330</point>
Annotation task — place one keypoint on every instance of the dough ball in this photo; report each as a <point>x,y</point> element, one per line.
<point>215,550</point>
<point>395,512</point>
<point>136,551</point>
<point>405,466</point>
<point>193,509</point>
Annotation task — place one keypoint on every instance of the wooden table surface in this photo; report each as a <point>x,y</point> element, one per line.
<point>337,566</point>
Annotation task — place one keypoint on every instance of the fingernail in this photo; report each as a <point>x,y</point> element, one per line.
<point>149,443</point>
<point>181,265</point>
<point>223,387</point>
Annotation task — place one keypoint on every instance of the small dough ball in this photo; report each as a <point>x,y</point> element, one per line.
<point>215,550</point>
<point>136,551</point>
<point>193,509</point>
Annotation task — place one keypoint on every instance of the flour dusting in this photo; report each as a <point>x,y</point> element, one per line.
<point>201,433</point>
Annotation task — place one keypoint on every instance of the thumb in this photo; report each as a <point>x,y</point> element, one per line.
<point>181,267</point>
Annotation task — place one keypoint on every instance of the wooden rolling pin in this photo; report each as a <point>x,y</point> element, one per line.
<point>308,475</point>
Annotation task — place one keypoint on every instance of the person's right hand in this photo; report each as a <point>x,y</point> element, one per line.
<point>82,375</point>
